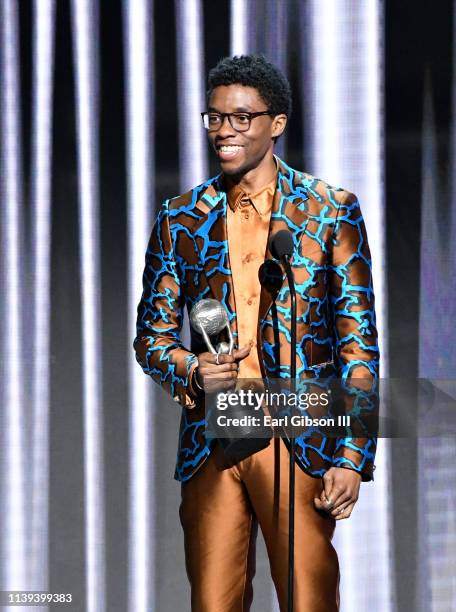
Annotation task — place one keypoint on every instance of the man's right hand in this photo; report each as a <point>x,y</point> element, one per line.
<point>213,377</point>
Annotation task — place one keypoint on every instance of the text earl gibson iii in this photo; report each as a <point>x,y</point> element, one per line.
<point>224,420</point>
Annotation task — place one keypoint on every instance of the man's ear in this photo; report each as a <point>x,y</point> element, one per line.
<point>279,123</point>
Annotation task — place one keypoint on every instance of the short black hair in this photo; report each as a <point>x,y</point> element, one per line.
<point>256,71</point>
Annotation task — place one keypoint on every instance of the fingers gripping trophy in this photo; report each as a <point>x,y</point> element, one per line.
<point>209,318</point>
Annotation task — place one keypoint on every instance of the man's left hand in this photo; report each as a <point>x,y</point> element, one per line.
<point>340,492</point>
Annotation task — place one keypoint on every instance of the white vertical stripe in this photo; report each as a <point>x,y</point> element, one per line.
<point>138,78</point>
<point>276,45</point>
<point>436,584</point>
<point>190,87</point>
<point>43,56</point>
<point>239,24</point>
<point>346,138</point>
<point>326,130</point>
<point>85,37</point>
<point>14,356</point>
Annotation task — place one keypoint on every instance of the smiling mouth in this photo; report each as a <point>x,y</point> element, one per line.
<point>227,152</point>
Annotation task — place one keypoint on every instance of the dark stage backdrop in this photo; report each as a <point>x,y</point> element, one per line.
<point>99,123</point>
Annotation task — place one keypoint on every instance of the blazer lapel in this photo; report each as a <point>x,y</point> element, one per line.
<point>288,212</point>
<point>211,240</point>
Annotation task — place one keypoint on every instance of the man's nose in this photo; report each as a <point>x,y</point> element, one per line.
<point>226,128</point>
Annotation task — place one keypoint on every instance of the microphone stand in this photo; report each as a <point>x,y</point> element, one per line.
<point>291,494</point>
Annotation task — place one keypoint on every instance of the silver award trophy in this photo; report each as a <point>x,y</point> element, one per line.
<point>209,318</point>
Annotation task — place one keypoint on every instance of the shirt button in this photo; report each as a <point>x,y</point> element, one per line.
<point>249,302</point>
<point>246,216</point>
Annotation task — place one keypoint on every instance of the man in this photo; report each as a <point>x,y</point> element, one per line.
<point>212,242</point>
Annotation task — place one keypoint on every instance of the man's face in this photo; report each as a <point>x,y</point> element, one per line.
<point>239,152</point>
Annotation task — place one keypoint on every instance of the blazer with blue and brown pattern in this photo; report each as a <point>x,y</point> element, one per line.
<point>187,259</point>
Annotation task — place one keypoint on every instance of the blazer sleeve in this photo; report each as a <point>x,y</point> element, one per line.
<point>158,345</point>
<point>354,327</point>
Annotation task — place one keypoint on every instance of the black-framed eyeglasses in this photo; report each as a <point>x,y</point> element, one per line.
<point>239,121</point>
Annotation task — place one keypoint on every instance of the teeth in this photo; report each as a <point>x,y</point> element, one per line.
<point>229,148</point>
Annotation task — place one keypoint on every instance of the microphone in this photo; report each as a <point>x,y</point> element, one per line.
<point>208,317</point>
<point>281,245</point>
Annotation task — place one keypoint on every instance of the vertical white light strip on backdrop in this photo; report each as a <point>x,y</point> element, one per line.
<point>239,27</point>
<point>193,166</point>
<point>346,149</point>
<point>138,62</point>
<point>13,518</point>
<point>431,454</point>
<point>85,37</point>
<point>276,48</point>
<point>436,559</point>
<point>190,87</point>
<point>43,57</point>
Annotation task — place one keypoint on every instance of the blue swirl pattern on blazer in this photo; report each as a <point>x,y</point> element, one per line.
<point>187,260</point>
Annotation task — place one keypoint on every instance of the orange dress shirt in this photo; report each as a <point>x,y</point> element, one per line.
<point>248,217</point>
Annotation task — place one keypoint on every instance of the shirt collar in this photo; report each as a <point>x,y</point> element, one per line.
<point>261,200</point>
